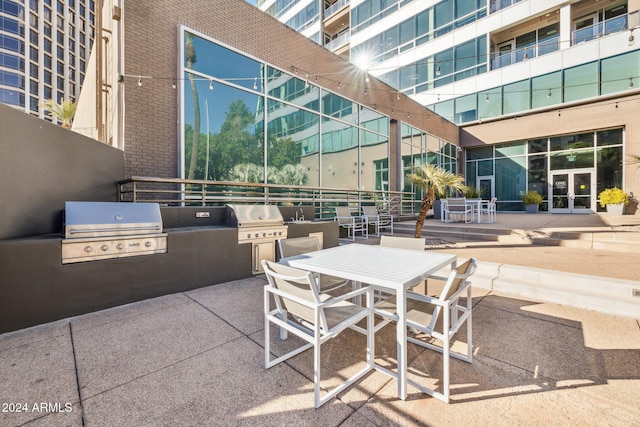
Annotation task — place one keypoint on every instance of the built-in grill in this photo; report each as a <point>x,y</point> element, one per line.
<point>259,225</point>
<point>103,230</point>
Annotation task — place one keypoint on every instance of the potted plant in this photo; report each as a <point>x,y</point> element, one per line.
<point>531,201</point>
<point>614,199</point>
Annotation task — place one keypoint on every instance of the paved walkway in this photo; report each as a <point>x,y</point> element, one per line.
<point>196,358</point>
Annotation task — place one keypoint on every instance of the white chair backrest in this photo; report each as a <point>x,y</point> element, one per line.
<point>344,215</point>
<point>298,246</point>
<point>457,277</point>
<point>370,210</point>
<point>412,243</point>
<point>298,283</point>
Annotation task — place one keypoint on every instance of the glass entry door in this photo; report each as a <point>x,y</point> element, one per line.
<point>572,191</point>
<point>484,184</point>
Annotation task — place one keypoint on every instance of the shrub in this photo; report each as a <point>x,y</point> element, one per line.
<point>532,198</point>
<point>613,196</point>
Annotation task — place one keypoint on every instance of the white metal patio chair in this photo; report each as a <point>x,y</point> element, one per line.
<point>314,317</point>
<point>488,208</point>
<point>302,245</point>
<point>456,209</point>
<point>440,318</point>
<point>353,224</point>
<point>380,220</point>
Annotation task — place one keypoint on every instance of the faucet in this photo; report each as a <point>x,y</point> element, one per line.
<point>299,214</point>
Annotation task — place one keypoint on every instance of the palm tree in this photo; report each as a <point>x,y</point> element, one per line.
<point>191,58</point>
<point>64,111</point>
<point>433,180</point>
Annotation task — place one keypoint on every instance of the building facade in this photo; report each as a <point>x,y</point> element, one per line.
<point>44,51</point>
<point>544,92</point>
<point>199,94</point>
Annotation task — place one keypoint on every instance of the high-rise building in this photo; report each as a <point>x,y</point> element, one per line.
<point>543,91</point>
<point>44,51</point>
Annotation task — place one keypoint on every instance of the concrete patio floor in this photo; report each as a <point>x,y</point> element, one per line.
<point>196,358</point>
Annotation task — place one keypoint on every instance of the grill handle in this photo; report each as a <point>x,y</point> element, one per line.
<point>84,230</point>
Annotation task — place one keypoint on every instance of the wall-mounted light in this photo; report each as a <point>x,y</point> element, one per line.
<point>631,38</point>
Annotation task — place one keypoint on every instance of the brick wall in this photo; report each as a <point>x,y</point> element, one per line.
<point>151,46</point>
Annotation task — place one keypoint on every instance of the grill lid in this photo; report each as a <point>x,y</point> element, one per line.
<point>252,215</point>
<point>103,219</point>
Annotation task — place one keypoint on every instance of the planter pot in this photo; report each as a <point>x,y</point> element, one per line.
<point>615,209</point>
<point>436,209</point>
<point>531,208</point>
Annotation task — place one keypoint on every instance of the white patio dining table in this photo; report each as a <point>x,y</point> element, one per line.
<point>395,270</point>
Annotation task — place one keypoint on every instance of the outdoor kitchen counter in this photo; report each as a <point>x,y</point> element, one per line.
<point>35,287</point>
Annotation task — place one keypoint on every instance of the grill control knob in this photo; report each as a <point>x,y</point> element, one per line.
<point>264,234</point>
<point>119,246</point>
<point>88,249</point>
<point>104,248</point>
<point>147,244</point>
<point>248,235</point>
<point>257,234</point>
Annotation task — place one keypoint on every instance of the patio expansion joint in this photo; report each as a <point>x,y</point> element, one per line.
<point>77,376</point>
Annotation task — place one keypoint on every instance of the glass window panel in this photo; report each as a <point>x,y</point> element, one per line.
<point>489,103</point>
<point>217,61</point>
<point>538,145</point>
<point>407,31</point>
<point>443,13</point>
<point>546,90</point>
<point>609,137</point>
<point>339,155</point>
<point>423,22</point>
<point>292,89</point>
<point>465,109</point>
<point>234,140</point>
<point>538,174</point>
<point>373,120</point>
<point>609,168</point>
<point>571,160</point>
<point>510,178</point>
<point>617,73</point>
<point>445,109</point>
<point>515,97</point>
<point>575,141</point>
<point>465,55</point>
<point>485,167</point>
<point>510,149</point>
<point>339,107</point>
<point>375,150</point>
<point>408,76</point>
<point>479,153</point>
<point>581,82</point>
<point>443,61</point>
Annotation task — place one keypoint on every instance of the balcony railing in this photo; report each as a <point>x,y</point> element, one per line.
<point>503,59</point>
<point>497,5</point>
<point>183,192</point>
<point>604,28</point>
<point>339,41</point>
<point>335,8</point>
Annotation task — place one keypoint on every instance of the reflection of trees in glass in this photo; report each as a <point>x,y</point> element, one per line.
<point>190,56</point>
<point>236,153</point>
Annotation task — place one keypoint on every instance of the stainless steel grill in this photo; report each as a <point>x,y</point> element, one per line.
<point>259,225</point>
<point>104,230</point>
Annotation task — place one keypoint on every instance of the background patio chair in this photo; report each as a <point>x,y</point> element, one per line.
<point>440,318</point>
<point>456,209</point>
<point>380,220</point>
<point>314,317</point>
<point>353,224</point>
<point>302,245</point>
<point>489,209</point>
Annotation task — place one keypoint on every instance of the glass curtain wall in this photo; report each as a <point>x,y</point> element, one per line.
<point>420,148</point>
<point>521,166</point>
<point>246,121</point>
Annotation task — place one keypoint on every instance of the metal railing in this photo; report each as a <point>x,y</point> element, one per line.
<point>600,29</point>
<point>184,192</point>
<point>335,7</point>
<point>339,41</point>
